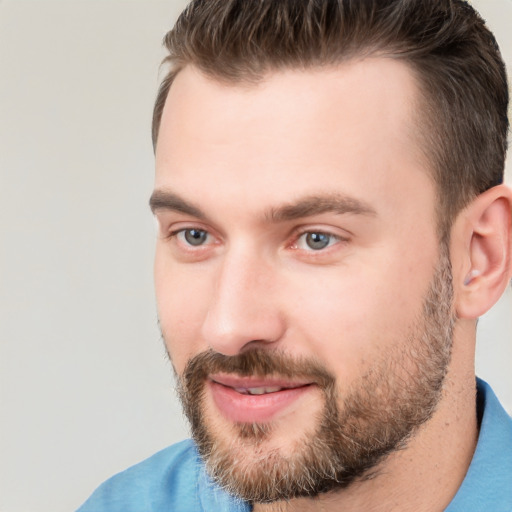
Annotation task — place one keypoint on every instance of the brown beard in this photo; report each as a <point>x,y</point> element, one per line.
<point>354,433</point>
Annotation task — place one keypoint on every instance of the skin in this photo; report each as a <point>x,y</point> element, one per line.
<point>228,156</point>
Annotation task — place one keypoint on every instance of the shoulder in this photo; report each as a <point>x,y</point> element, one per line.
<point>165,481</point>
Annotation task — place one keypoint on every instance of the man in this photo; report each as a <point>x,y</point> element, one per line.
<point>332,223</point>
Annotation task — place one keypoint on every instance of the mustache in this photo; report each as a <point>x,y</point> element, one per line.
<point>256,362</point>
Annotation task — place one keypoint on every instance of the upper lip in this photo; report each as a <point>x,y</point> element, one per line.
<point>237,382</point>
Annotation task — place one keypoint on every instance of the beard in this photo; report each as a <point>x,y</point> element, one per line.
<point>375,417</point>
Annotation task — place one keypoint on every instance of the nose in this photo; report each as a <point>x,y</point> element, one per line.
<point>244,309</point>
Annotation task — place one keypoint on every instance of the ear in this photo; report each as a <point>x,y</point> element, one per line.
<point>483,236</point>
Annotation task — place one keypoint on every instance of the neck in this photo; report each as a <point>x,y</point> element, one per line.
<point>426,474</point>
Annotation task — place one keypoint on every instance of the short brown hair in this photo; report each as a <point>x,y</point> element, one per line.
<point>455,58</point>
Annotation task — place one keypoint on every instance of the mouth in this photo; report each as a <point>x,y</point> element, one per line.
<point>259,391</point>
<point>253,399</point>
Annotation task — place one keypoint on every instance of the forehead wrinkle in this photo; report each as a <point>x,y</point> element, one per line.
<point>318,204</point>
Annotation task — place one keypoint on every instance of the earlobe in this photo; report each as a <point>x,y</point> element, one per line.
<point>487,237</point>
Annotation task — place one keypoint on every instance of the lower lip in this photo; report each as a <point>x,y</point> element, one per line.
<point>242,408</point>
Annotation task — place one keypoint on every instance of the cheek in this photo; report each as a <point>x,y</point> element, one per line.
<point>354,317</point>
<point>182,297</point>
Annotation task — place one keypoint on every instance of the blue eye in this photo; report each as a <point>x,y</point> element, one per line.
<point>315,241</point>
<point>194,237</point>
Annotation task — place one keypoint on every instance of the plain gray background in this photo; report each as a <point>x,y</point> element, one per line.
<point>85,387</point>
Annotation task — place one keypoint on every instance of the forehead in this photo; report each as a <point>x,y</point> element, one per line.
<point>351,128</point>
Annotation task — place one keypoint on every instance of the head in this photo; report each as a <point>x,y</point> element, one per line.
<point>312,160</point>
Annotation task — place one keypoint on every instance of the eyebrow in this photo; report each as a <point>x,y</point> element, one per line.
<point>318,204</point>
<point>304,207</point>
<point>164,200</point>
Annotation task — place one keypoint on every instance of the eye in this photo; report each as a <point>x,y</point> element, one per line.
<point>315,240</point>
<point>193,237</point>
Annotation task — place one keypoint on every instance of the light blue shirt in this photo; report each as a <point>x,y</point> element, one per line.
<point>174,480</point>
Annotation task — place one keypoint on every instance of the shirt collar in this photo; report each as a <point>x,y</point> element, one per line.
<point>487,485</point>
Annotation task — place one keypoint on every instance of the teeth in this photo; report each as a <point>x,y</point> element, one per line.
<point>258,391</point>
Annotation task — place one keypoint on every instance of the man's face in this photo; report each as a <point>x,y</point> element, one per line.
<point>296,265</point>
